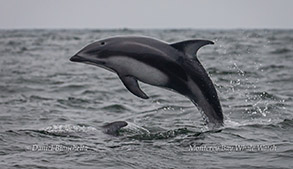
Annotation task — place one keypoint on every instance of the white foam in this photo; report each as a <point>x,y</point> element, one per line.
<point>68,128</point>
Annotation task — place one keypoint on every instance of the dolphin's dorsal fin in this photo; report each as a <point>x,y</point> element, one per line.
<point>114,127</point>
<point>190,47</point>
<point>132,85</point>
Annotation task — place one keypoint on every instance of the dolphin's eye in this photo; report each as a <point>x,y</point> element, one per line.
<point>103,43</point>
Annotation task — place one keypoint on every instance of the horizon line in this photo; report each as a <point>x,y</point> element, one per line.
<point>131,28</point>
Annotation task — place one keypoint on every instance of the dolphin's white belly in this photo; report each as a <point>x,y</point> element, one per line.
<point>141,71</point>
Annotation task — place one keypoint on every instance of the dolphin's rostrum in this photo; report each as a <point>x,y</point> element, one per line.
<point>171,66</point>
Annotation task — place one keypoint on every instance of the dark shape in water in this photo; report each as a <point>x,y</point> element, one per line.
<point>114,127</point>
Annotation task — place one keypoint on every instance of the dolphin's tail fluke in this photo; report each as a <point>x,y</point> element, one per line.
<point>114,127</point>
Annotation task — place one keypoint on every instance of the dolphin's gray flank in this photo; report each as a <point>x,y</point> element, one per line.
<point>171,66</point>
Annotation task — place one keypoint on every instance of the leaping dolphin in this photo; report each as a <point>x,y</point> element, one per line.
<point>172,66</point>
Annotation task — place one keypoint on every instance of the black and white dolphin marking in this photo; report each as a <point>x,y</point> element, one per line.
<point>171,66</point>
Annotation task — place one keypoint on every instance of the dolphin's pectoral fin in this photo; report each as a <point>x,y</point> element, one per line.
<point>114,127</point>
<point>132,85</point>
<point>190,47</point>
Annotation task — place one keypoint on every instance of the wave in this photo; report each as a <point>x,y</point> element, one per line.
<point>281,51</point>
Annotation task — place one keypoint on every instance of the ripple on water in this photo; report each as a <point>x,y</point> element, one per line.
<point>41,87</point>
<point>115,107</point>
<point>279,51</point>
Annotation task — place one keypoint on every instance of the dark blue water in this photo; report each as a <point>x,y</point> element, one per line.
<point>51,109</point>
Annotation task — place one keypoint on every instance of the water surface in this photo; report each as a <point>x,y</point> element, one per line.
<point>51,109</point>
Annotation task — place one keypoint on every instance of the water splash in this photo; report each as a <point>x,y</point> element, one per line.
<point>68,128</point>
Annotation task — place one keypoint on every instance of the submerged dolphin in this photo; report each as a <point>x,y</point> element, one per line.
<point>171,66</point>
<point>114,127</point>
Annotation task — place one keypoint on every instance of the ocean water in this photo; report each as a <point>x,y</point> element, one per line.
<point>52,110</point>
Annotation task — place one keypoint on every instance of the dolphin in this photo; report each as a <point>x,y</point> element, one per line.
<point>172,66</point>
<point>114,127</point>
